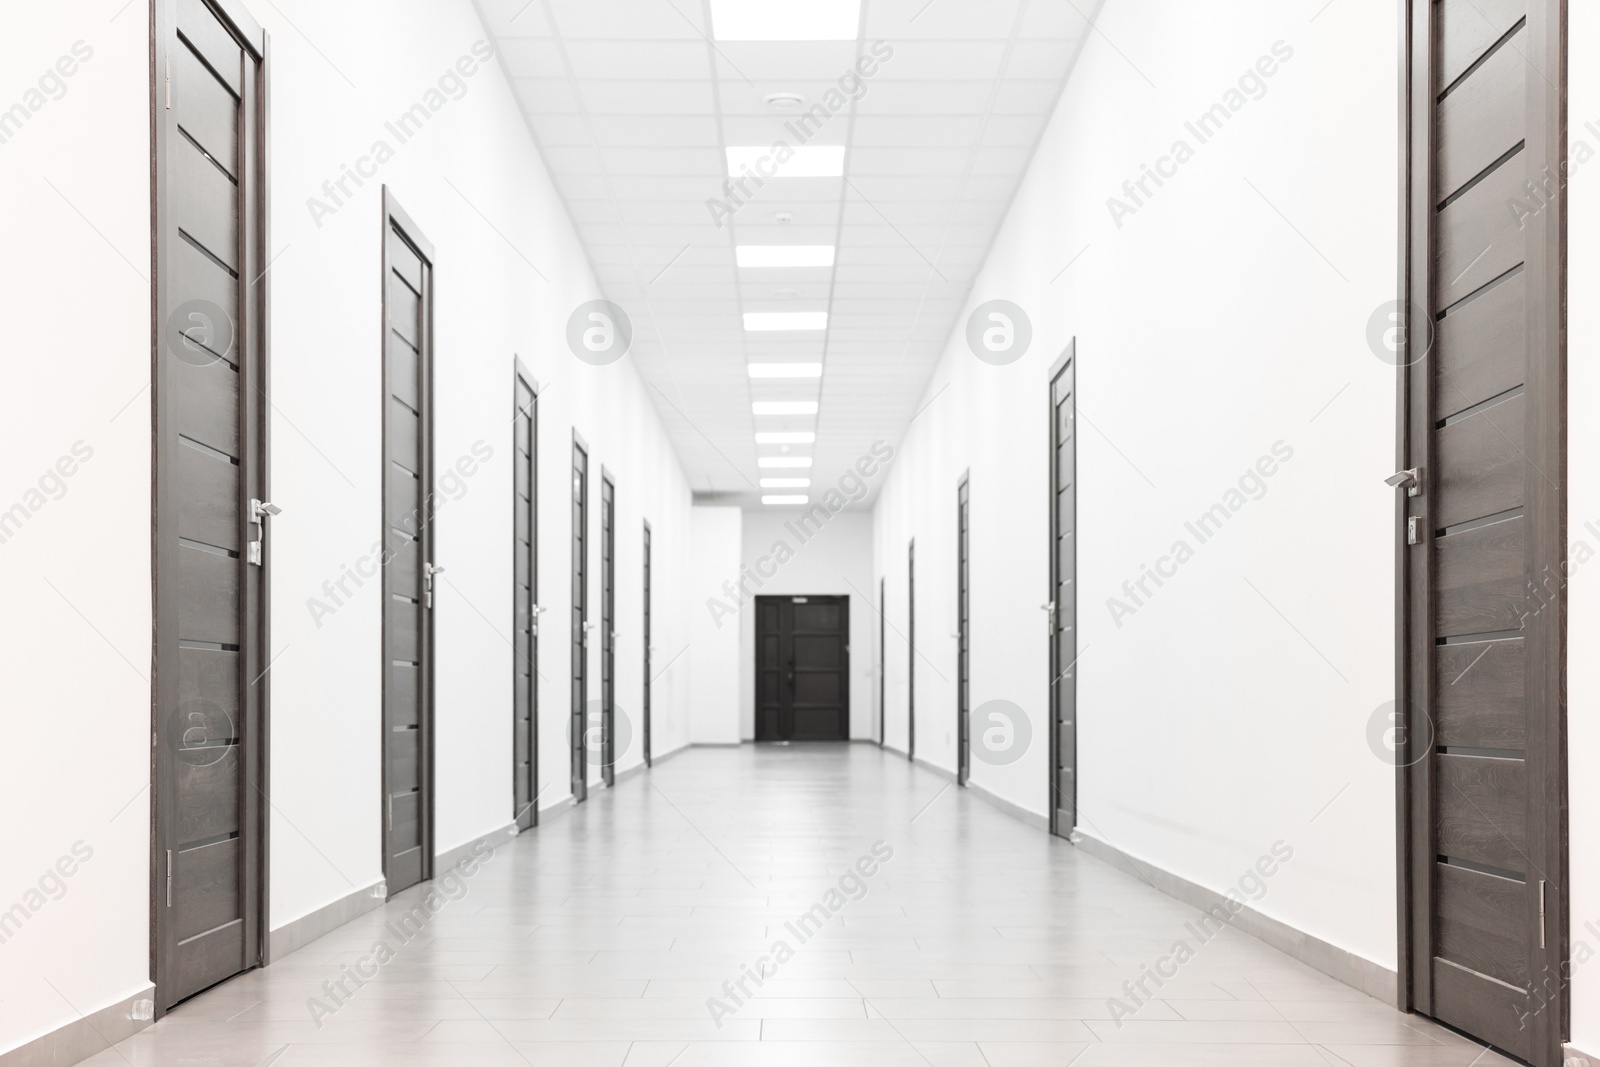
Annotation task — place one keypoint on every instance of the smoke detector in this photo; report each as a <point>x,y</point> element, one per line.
<point>785,101</point>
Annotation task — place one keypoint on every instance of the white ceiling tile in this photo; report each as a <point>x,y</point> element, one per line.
<point>1027,96</point>
<point>560,131</point>
<point>591,59</point>
<point>1058,18</point>
<point>640,97</point>
<point>634,134</point>
<point>654,131</point>
<point>515,18</point>
<point>961,20</point>
<point>1041,59</point>
<point>547,96</point>
<point>646,19</point>
<point>977,60</point>
<point>765,63</point>
<point>532,57</point>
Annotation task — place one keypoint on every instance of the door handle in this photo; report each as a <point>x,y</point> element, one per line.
<point>428,571</point>
<point>260,511</point>
<point>1409,480</point>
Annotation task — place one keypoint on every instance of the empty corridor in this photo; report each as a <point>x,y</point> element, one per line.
<point>955,936</point>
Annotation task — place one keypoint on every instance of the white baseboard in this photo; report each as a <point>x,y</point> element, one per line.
<point>1358,972</point>
<point>86,1036</point>
<point>300,932</point>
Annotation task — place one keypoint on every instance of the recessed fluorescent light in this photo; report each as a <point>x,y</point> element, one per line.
<point>785,370</point>
<point>804,161</point>
<point>764,20</point>
<point>784,407</point>
<point>780,321</point>
<point>801,438</point>
<point>781,499</point>
<point>784,255</point>
<point>785,483</point>
<point>784,461</point>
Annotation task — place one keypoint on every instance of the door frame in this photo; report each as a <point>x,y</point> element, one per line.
<point>608,622</point>
<point>911,649</point>
<point>578,610</point>
<point>393,215</point>
<point>1060,679</point>
<point>963,629</point>
<point>1545,389</point>
<point>883,660</point>
<point>647,635</point>
<point>843,600</point>
<point>521,376</point>
<point>254,336</point>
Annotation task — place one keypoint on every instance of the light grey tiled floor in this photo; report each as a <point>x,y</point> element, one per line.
<point>599,938</point>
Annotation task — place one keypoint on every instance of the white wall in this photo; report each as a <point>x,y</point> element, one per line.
<point>76,645</point>
<point>1583,501</point>
<point>509,272</point>
<point>1229,313</point>
<point>75,632</point>
<point>714,647</point>
<point>835,561</point>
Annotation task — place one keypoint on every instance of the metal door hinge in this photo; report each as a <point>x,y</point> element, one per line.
<point>169,81</point>
<point>428,571</point>
<point>169,878</point>
<point>1541,913</point>
<point>1414,530</point>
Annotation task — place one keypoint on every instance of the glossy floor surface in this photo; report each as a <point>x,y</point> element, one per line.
<point>600,937</point>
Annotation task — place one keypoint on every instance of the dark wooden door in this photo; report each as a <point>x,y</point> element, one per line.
<point>963,639</point>
<point>883,654</point>
<point>648,650</point>
<point>410,582</point>
<point>802,668</point>
<point>1062,610</point>
<point>525,591</point>
<point>911,650</point>
<point>1482,524</point>
<point>210,554</point>
<point>608,629</point>
<point>578,723</point>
